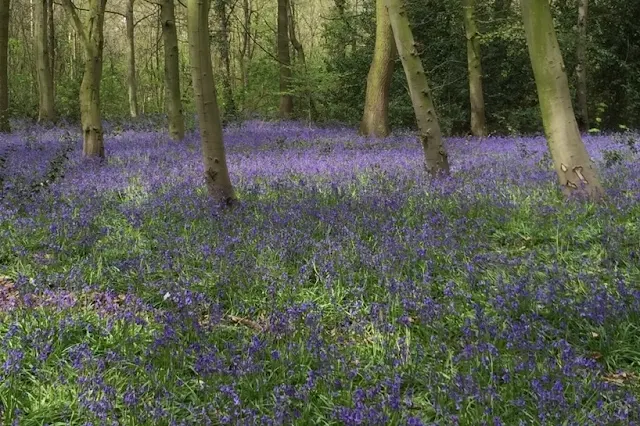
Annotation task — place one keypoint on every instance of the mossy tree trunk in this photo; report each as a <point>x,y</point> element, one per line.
<point>132,81</point>
<point>576,172</point>
<point>92,37</point>
<point>474,64</point>
<point>375,119</point>
<point>46,111</point>
<point>436,161</point>
<point>284,58</point>
<point>4,56</point>
<point>173,99</point>
<point>215,163</point>
<point>581,66</point>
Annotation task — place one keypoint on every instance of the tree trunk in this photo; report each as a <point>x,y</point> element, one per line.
<point>215,163</point>
<point>4,55</point>
<point>436,161</point>
<point>224,49</point>
<point>293,37</point>
<point>93,41</point>
<point>173,100</point>
<point>51,43</point>
<point>581,66</point>
<point>284,57</point>
<point>576,172</point>
<point>132,83</point>
<point>43,63</point>
<point>375,120</point>
<point>476,96</point>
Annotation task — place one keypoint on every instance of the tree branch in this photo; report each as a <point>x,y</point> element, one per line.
<point>71,10</point>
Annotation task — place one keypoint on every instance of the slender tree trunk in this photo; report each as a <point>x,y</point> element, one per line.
<point>215,163</point>
<point>476,96</point>
<point>132,83</point>
<point>581,67</point>
<point>284,57</point>
<point>576,172</point>
<point>293,37</point>
<point>4,55</point>
<point>375,119</point>
<point>220,7</point>
<point>173,100</point>
<point>43,63</point>
<point>93,41</point>
<point>436,161</point>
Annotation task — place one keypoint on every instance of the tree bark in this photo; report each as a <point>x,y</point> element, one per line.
<point>224,49</point>
<point>92,38</point>
<point>51,43</point>
<point>436,161</point>
<point>576,172</point>
<point>375,119</point>
<point>581,66</point>
<point>284,58</point>
<point>215,163</point>
<point>4,55</point>
<point>297,46</point>
<point>132,83</point>
<point>43,62</point>
<point>474,64</point>
<point>173,99</point>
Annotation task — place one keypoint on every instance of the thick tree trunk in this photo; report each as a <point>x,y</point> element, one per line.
<point>173,100</point>
<point>220,7</point>
<point>375,119</point>
<point>93,40</point>
<point>284,57</point>
<point>476,96</point>
<point>4,55</point>
<point>576,172</point>
<point>43,63</point>
<point>132,83</point>
<point>436,161</point>
<point>215,163</point>
<point>581,66</point>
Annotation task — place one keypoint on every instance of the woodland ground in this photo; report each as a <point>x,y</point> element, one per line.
<point>345,288</point>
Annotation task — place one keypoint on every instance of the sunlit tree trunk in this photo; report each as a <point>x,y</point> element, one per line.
<point>132,83</point>
<point>92,39</point>
<point>581,66</point>
<point>576,172</point>
<point>43,62</point>
<point>173,100</point>
<point>476,96</point>
<point>4,55</point>
<point>436,161</point>
<point>284,57</point>
<point>215,163</point>
<point>375,119</point>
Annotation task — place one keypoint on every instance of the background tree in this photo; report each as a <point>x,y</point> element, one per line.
<point>476,95</point>
<point>581,66</point>
<point>375,119</point>
<point>172,70</point>
<point>436,161</point>
<point>215,163</point>
<point>92,39</point>
<point>573,165</point>
<point>4,54</point>
<point>132,82</point>
<point>223,45</point>
<point>284,57</point>
<point>43,62</point>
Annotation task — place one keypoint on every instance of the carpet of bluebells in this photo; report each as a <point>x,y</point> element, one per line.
<point>346,287</point>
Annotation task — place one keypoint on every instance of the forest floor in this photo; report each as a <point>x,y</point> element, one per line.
<point>345,288</point>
